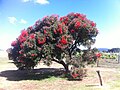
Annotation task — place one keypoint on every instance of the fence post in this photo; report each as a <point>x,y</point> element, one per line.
<point>98,60</point>
<point>119,57</point>
<point>98,72</point>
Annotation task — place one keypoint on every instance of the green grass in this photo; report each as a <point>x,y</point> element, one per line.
<point>53,78</point>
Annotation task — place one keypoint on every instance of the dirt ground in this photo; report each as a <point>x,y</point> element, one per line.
<point>39,79</point>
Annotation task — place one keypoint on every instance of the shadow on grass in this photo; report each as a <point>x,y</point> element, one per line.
<point>36,74</point>
<point>72,79</point>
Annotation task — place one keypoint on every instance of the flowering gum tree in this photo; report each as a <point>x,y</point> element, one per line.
<point>54,39</point>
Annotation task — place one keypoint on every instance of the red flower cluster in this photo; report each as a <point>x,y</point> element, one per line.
<point>41,41</point>
<point>55,31</point>
<point>63,40</point>
<point>64,19</point>
<point>74,75</point>
<point>72,31</point>
<point>45,31</point>
<point>81,16</point>
<point>21,61</point>
<point>20,52</point>
<point>93,24</point>
<point>21,39</point>
<point>98,55</point>
<point>24,33</point>
<point>33,55</point>
<point>32,36</point>
<point>60,29</point>
<point>59,45</point>
<point>77,24</point>
<point>84,25</point>
<point>21,46</point>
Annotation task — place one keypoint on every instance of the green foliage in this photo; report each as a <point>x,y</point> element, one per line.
<point>109,56</point>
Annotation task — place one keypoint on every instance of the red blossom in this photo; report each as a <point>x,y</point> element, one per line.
<point>21,61</point>
<point>63,40</point>
<point>60,30</point>
<point>24,33</point>
<point>63,23</point>
<point>81,16</point>
<point>29,43</point>
<point>61,18</point>
<point>98,55</point>
<point>20,52</point>
<point>77,24</point>
<point>55,31</point>
<point>21,46</point>
<point>42,41</point>
<point>74,75</point>
<point>21,39</point>
<point>14,43</point>
<point>65,20</point>
<point>33,55</point>
<point>59,45</point>
<point>84,25</point>
<point>72,31</point>
<point>32,36</point>
<point>93,24</point>
<point>45,31</point>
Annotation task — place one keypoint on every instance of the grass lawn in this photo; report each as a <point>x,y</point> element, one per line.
<point>50,78</point>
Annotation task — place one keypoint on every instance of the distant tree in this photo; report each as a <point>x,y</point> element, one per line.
<point>114,50</point>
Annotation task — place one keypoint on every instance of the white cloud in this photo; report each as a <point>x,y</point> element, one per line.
<point>12,20</point>
<point>23,21</point>
<point>26,0</point>
<point>41,1</point>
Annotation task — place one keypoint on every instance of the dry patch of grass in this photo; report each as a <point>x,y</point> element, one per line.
<point>44,78</point>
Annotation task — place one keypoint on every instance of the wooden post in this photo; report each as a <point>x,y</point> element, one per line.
<point>98,72</point>
<point>97,62</point>
<point>119,57</point>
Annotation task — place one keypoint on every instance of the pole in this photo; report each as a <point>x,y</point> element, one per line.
<point>97,62</point>
<point>119,57</point>
<point>98,72</point>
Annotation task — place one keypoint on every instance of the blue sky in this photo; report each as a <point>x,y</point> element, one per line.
<point>16,15</point>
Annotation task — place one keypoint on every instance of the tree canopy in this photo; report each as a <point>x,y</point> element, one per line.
<point>55,38</point>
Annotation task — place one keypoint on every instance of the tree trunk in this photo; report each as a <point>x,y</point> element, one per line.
<point>63,63</point>
<point>65,67</point>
